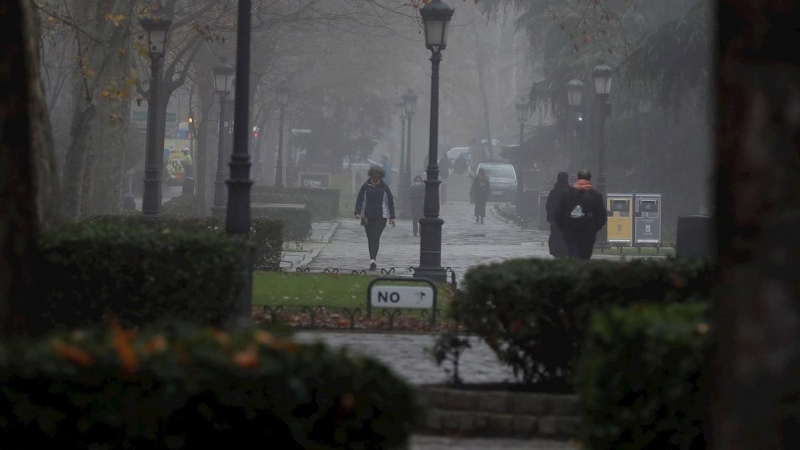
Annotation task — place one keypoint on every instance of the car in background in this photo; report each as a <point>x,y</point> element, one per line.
<point>455,152</point>
<point>502,180</point>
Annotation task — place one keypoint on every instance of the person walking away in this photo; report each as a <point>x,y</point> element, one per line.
<point>387,169</point>
<point>581,213</point>
<point>416,197</point>
<point>374,206</point>
<point>558,247</point>
<point>479,194</point>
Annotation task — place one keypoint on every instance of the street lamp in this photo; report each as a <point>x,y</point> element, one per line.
<point>156,26</point>
<point>602,86</point>
<point>409,105</point>
<point>237,217</point>
<point>402,200</point>
<point>522,117</point>
<point>574,98</point>
<point>223,83</point>
<point>282,93</point>
<point>436,17</point>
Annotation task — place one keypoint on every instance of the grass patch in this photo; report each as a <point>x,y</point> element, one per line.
<point>316,289</point>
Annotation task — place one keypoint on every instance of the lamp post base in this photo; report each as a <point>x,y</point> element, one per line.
<point>435,274</point>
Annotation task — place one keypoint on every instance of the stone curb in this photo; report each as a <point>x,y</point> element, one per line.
<point>498,413</point>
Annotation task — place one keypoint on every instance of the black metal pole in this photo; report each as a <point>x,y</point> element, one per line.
<point>602,235</point>
<point>237,220</point>
<point>407,172</point>
<point>403,201</point>
<point>520,171</point>
<point>279,165</point>
<point>219,182</point>
<point>430,255</point>
<point>154,154</point>
<point>571,129</point>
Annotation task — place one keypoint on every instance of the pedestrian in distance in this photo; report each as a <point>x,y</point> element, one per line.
<point>558,247</point>
<point>479,194</point>
<point>581,213</point>
<point>374,206</point>
<point>416,196</point>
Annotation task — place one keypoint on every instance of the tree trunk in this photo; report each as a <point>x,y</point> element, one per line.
<point>756,372</point>
<point>24,149</point>
<point>206,106</point>
<point>482,86</point>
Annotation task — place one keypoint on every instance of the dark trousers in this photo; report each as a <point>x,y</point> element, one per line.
<point>580,246</point>
<point>374,229</point>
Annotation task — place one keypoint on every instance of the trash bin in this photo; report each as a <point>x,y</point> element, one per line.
<point>129,202</point>
<point>694,237</point>
<point>188,186</point>
<point>620,219</point>
<point>647,220</point>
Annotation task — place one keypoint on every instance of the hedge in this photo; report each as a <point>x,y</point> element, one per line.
<point>323,203</point>
<point>138,273</point>
<point>297,223</point>
<point>641,379</point>
<point>186,387</point>
<point>533,313</point>
<point>266,234</point>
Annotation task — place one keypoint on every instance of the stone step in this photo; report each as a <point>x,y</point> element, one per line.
<point>484,424</point>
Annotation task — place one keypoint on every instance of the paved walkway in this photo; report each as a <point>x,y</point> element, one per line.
<point>407,355</point>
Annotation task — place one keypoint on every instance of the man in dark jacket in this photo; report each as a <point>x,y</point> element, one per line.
<point>581,213</point>
<point>558,247</point>
<point>374,206</point>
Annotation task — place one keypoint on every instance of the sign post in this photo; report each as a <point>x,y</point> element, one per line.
<point>409,295</point>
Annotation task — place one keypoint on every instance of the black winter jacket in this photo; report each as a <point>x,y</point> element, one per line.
<point>375,201</point>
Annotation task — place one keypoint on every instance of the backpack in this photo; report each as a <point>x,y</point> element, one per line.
<point>577,211</point>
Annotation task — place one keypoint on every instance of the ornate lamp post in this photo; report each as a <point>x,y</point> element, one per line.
<point>237,217</point>
<point>436,17</point>
<point>522,117</point>
<point>223,82</point>
<point>157,27</point>
<point>574,98</point>
<point>402,201</point>
<point>409,105</point>
<point>283,99</point>
<point>602,86</point>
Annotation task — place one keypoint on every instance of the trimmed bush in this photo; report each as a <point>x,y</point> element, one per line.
<point>181,206</point>
<point>265,234</point>
<point>296,222</point>
<point>640,378</point>
<point>185,387</point>
<point>138,273</point>
<point>323,203</point>
<point>533,313</point>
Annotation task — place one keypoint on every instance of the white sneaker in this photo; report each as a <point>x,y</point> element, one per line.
<point>372,264</point>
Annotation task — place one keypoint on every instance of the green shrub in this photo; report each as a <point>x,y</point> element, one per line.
<point>296,222</point>
<point>640,378</point>
<point>323,203</point>
<point>265,234</point>
<point>181,206</point>
<point>138,273</point>
<point>185,387</point>
<point>533,313</point>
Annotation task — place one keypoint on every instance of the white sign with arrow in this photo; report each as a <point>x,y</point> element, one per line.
<point>409,297</point>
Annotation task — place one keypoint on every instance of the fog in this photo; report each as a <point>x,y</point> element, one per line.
<point>347,62</point>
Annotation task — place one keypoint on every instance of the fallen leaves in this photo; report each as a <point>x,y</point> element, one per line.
<point>73,354</point>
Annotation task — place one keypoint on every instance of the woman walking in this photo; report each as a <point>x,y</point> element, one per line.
<point>558,247</point>
<point>479,193</point>
<point>417,197</point>
<point>374,206</point>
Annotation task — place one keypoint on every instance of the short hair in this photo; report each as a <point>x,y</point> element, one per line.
<point>376,171</point>
<point>584,175</point>
<point>563,177</point>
